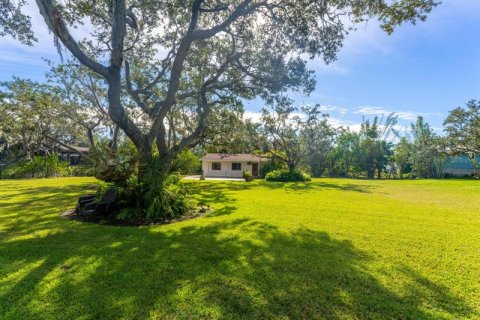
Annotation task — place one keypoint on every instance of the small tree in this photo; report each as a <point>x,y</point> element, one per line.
<point>347,155</point>
<point>291,132</point>
<point>376,145</point>
<point>427,152</point>
<point>403,155</point>
<point>463,131</point>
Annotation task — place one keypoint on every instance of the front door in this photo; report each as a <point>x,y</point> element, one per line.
<point>255,169</point>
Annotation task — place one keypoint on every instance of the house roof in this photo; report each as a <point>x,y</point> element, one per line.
<point>241,157</point>
<point>80,149</point>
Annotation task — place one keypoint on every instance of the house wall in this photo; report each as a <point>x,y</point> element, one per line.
<point>226,170</point>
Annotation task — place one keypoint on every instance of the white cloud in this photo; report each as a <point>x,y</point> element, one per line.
<point>404,115</point>
<point>338,122</point>
<point>252,115</point>
<point>331,108</point>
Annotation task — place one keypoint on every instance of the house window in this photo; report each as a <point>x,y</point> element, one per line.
<point>216,166</point>
<point>236,166</point>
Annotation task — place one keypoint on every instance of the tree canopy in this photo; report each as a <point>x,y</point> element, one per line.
<point>192,57</point>
<point>463,128</point>
<point>15,23</point>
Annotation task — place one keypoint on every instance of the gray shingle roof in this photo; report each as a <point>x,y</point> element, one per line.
<point>241,157</point>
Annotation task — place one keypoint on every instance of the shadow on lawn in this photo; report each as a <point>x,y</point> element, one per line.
<point>220,192</point>
<point>234,269</point>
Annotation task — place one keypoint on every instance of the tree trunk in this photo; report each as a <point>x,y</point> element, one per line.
<point>370,173</point>
<point>91,139</point>
<point>144,162</point>
<point>114,142</point>
<point>291,166</point>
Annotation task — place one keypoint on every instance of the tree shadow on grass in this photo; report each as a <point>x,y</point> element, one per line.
<point>220,192</point>
<point>362,188</point>
<point>231,269</point>
<point>31,209</point>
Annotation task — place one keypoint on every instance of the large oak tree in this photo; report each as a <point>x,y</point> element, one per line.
<point>194,56</point>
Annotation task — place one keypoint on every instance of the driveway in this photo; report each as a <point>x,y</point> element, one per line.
<point>220,179</point>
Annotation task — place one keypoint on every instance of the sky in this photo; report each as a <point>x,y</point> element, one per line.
<point>426,69</point>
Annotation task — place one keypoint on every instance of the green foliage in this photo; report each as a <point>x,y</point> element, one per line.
<point>427,159</point>
<point>129,214</point>
<point>103,187</point>
<point>15,23</point>
<point>462,130</point>
<point>32,120</point>
<point>186,162</point>
<point>164,197</point>
<point>367,151</point>
<point>168,199</point>
<point>271,165</point>
<point>38,167</point>
<point>114,165</point>
<point>402,155</point>
<point>332,249</point>
<point>292,137</point>
<point>346,154</point>
<point>288,176</point>
<point>81,170</point>
<point>248,176</point>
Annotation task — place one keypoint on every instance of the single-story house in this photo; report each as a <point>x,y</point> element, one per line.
<point>230,165</point>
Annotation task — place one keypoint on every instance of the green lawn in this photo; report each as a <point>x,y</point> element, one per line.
<point>332,248</point>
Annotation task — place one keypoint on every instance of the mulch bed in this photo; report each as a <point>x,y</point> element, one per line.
<point>110,220</point>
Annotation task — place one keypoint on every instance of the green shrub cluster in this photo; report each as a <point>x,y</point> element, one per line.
<point>81,170</point>
<point>248,176</point>
<point>271,165</point>
<point>38,167</point>
<point>287,176</point>
<point>161,198</point>
<point>114,165</point>
<point>168,200</point>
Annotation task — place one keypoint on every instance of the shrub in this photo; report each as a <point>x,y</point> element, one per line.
<point>167,199</point>
<point>114,165</point>
<point>186,162</point>
<point>38,167</point>
<point>287,176</point>
<point>248,176</point>
<point>81,171</point>
<point>269,166</point>
<point>103,187</point>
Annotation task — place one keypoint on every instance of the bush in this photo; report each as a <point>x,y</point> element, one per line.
<point>186,162</point>
<point>168,199</point>
<point>114,165</point>
<point>287,176</point>
<point>269,166</point>
<point>160,197</point>
<point>38,167</point>
<point>248,176</point>
<point>81,171</point>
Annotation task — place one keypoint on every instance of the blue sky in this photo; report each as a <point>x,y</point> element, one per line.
<point>425,69</point>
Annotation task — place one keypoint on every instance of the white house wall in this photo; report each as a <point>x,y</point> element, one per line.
<point>226,170</point>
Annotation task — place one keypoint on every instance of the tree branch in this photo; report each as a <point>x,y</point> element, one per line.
<point>52,16</point>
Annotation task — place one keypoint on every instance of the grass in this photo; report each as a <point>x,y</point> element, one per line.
<point>332,248</point>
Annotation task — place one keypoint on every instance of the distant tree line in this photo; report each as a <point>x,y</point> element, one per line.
<point>301,138</point>
<point>70,111</point>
